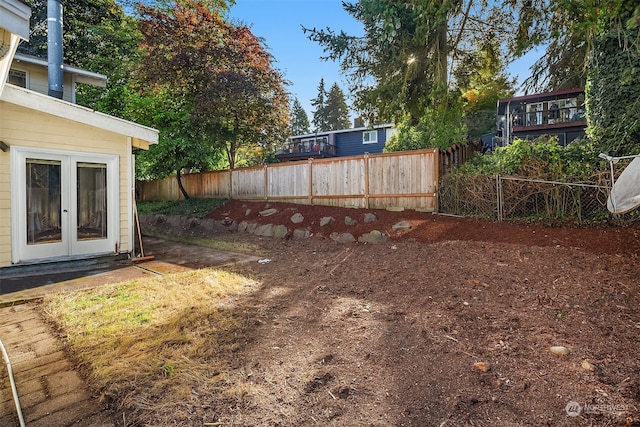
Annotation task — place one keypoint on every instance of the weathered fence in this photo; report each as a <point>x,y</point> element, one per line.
<point>456,155</point>
<point>373,181</point>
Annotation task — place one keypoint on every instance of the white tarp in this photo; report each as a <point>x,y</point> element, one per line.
<point>625,194</point>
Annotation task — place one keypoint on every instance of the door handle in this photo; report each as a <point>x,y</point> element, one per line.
<point>64,210</point>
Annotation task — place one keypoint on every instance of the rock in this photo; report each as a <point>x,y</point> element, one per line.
<point>230,226</point>
<point>280,231</point>
<point>482,366</point>
<point>401,226</point>
<point>242,227</point>
<point>558,349</point>
<point>175,220</point>
<point>211,224</point>
<point>350,221</point>
<point>326,220</point>
<point>301,233</point>
<point>588,366</point>
<point>342,237</point>
<point>145,219</point>
<point>193,222</point>
<point>297,218</point>
<point>374,236</point>
<point>370,217</point>
<point>264,230</point>
<point>268,212</point>
<point>247,212</point>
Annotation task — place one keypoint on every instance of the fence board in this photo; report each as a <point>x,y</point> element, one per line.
<point>248,183</point>
<point>216,184</point>
<point>408,179</point>
<point>288,181</point>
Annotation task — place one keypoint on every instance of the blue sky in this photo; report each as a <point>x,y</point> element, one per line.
<point>279,23</point>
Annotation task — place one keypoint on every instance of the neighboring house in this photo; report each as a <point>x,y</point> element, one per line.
<point>559,113</point>
<point>336,143</point>
<point>30,72</point>
<point>66,172</point>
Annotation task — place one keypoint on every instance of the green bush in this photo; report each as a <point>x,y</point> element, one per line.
<point>192,208</point>
<point>440,127</point>
<point>541,158</point>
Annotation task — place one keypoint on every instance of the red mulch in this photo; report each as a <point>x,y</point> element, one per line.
<point>391,334</point>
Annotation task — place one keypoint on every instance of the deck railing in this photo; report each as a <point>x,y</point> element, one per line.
<point>547,117</point>
<point>308,148</point>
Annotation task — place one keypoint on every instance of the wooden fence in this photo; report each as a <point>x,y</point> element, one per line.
<point>373,181</point>
<point>456,155</point>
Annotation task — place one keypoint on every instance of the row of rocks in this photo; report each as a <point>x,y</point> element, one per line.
<point>272,230</point>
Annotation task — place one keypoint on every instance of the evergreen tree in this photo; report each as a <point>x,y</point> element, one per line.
<point>400,65</point>
<point>481,79</point>
<point>319,114</point>
<point>299,119</point>
<point>336,110</point>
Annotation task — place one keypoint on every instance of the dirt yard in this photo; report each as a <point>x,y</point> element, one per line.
<point>448,324</point>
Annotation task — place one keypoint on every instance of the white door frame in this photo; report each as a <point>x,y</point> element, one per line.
<point>69,245</point>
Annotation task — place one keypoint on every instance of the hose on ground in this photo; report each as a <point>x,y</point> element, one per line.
<point>13,384</point>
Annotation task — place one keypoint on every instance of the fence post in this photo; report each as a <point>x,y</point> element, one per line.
<point>366,180</point>
<point>310,162</point>
<point>266,183</point>
<point>499,197</point>
<point>436,184</point>
<point>231,184</point>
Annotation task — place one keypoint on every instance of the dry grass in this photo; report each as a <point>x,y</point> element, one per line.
<point>157,337</point>
<point>213,242</point>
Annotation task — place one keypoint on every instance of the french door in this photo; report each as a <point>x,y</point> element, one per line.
<point>67,204</point>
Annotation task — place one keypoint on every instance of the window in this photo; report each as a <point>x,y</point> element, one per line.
<point>18,78</point>
<point>370,137</point>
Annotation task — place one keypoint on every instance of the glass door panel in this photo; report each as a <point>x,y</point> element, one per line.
<point>91,197</point>
<point>66,204</point>
<point>44,201</point>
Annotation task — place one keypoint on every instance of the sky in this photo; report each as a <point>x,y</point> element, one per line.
<point>280,23</point>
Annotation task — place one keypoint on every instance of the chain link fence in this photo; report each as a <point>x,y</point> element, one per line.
<point>519,199</point>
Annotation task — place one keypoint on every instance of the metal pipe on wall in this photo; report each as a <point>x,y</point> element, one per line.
<point>54,48</point>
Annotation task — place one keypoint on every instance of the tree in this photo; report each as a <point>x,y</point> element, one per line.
<point>97,36</point>
<point>80,20</point>
<point>481,79</point>
<point>336,110</point>
<point>607,37</point>
<point>440,126</point>
<point>234,97</point>
<point>299,119</point>
<point>180,147</point>
<point>319,114</point>
<point>613,88</point>
<point>118,57</point>
<point>399,68</point>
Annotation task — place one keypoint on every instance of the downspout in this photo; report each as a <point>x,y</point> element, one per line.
<point>54,48</point>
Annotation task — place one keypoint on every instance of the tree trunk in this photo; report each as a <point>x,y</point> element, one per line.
<point>443,51</point>
<point>180,186</point>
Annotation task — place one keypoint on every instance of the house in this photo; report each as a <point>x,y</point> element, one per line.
<point>66,171</point>
<point>559,113</point>
<point>336,143</point>
<point>30,72</point>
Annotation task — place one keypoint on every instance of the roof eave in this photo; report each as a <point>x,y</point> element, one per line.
<point>142,136</point>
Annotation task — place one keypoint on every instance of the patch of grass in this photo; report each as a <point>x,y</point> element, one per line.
<point>192,208</point>
<point>169,337</point>
<point>221,244</point>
